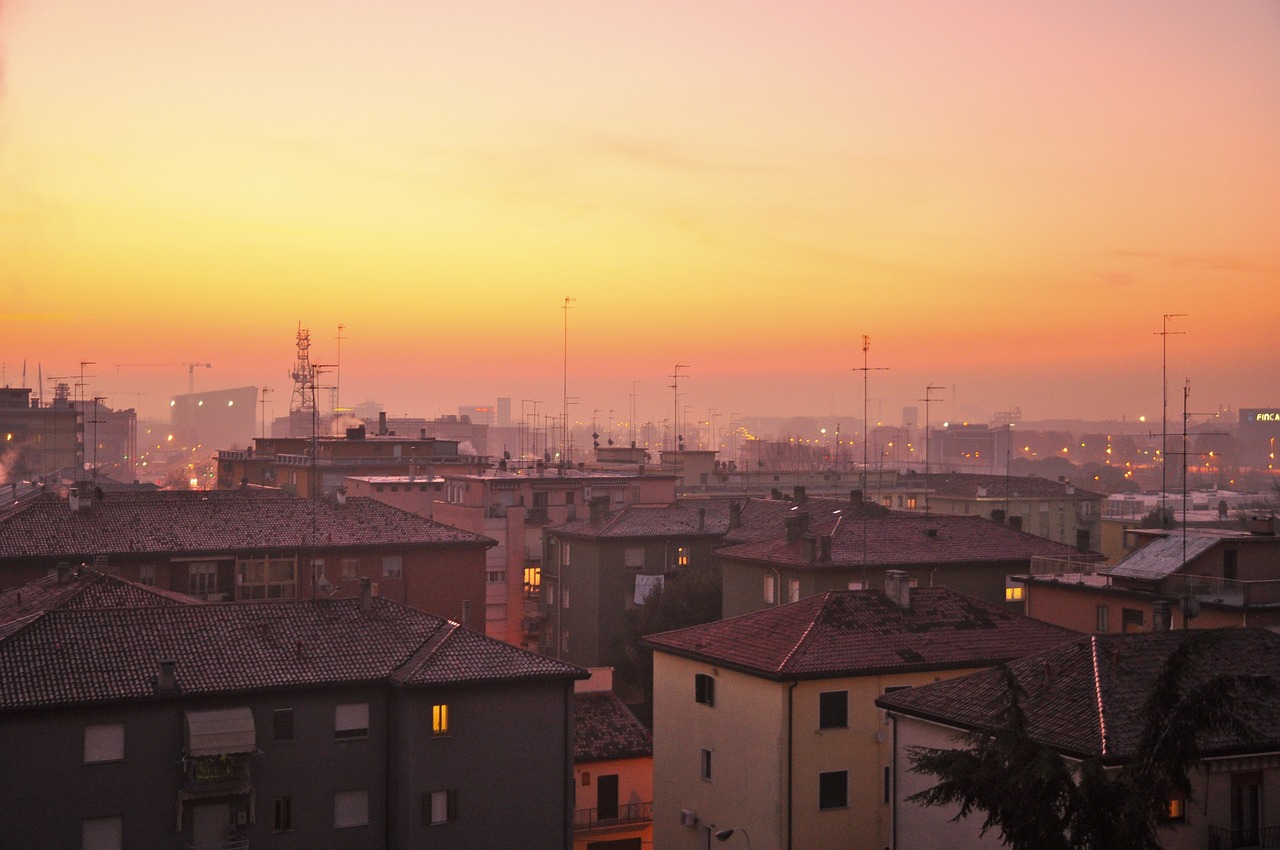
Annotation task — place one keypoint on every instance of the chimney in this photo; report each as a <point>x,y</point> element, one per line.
<point>341,494</point>
<point>366,595</point>
<point>466,613</point>
<point>64,572</point>
<point>796,526</point>
<point>824,548</point>
<point>702,519</point>
<point>73,499</point>
<point>809,549</point>
<point>1161,615</point>
<point>799,494</point>
<point>735,515</point>
<point>167,677</point>
<point>897,586</point>
<point>855,497</point>
<point>382,424</point>
<point>1015,522</point>
<point>998,516</point>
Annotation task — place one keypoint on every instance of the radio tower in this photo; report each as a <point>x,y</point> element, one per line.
<point>302,405</point>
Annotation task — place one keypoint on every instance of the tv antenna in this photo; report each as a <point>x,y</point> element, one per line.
<point>1164,335</point>
<point>866,424</point>
<point>676,436</point>
<point>928,426</point>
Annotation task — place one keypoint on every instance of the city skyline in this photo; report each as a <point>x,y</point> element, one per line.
<point>1005,199</point>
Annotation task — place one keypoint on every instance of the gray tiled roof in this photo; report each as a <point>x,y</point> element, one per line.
<point>969,484</point>
<point>1074,692</point>
<point>860,632</point>
<point>1164,556</point>
<point>97,655</point>
<point>604,728</point>
<point>218,521</point>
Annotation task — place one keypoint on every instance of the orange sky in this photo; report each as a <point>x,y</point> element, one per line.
<point>1006,196</point>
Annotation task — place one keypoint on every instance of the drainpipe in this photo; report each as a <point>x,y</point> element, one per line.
<point>790,758</point>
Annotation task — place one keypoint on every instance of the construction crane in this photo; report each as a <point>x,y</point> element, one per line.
<point>191,371</point>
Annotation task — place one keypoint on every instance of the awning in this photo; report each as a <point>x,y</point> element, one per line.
<point>213,733</point>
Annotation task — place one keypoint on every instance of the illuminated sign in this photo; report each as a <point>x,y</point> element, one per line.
<point>1248,417</point>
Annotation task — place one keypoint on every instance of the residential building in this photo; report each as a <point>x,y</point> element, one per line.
<point>1083,700</point>
<point>612,770</point>
<point>82,587</point>
<point>40,439</point>
<point>767,721</point>
<point>970,555</point>
<point>1057,510</point>
<point>308,466</point>
<point>248,545</point>
<point>513,506</point>
<point>335,723</point>
<point>416,494</point>
<point>1180,579</point>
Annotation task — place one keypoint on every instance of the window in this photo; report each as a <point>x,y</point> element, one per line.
<point>564,553</point>
<point>439,807</point>
<point>1013,592</point>
<point>351,720</point>
<point>282,814</point>
<point>102,833</point>
<point>392,565</point>
<point>633,558</point>
<point>202,578</point>
<point>532,580</point>
<point>350,568</point>
<point>1131,620</point>
<point>682,556</point>
<point>1175,809</point>
<point>351,808</point>
<point>704,689</point>
<point>496,576</point>
<point>793,590</point>
<point>770,589</point>
<point>267,578</point>
<point>104,742</point>
<point>858,585</point>
<point>888,784</point>
<point>833,710</point>
<point>833,789</point>
<point>551,595</point>
<point>440,719</point>
<point>1104,619</point>
<point>564,598</point>
<point>1229,564</point>
<point>704,767</point>
<point>282,724</point>
<point>147,574</point>
<point>911,503</point>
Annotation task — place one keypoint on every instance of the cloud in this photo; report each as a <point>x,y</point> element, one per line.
<point>1201,262</point>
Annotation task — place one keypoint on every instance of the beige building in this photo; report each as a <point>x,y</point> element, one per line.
<point>767,722</point>
<point>612,770</point>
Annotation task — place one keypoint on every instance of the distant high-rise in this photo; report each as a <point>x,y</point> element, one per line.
<point>910,416</point>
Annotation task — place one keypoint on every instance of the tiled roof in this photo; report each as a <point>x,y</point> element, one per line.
<point>1075,691</point>
<point>604,728</point>
<point>975,485</point>
<point>84,588</point>
<point>860,632</point>
<point>1164,556</point>
<point>98,655</point>
<point>900,539</point>
<point>216,521</point>
<point>765,519</point>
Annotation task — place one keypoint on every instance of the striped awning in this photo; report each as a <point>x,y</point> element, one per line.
<point>220,732</point>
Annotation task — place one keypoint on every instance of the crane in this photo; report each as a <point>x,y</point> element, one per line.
<point>191,371</point>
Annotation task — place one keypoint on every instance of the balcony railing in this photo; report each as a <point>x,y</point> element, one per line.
<point>241,844</point>
<point>630,813</point>
<point>1244,839</point>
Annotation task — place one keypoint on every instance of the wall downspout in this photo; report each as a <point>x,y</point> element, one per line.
<point>893,787</point>
<point>790,758</point>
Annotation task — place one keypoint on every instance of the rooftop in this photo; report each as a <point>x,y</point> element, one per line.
<point>83,588</point>
<point>604,728</point>
<point>996,487</point>
<point>1073,692</point>
<point>212,521</point>
<point>68,657</point>
<point>1168,554</point>
<point>862,632</point>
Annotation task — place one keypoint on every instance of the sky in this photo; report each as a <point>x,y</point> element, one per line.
<point>1005,197</point>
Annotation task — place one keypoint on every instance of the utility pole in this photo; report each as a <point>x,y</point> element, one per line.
<point>265,390</point>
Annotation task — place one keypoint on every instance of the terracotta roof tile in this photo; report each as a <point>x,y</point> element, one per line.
<point>604,728</point>
<point>846,633</point>
<point>216,521</point>
<point>84,588</point>
<point>1003,486</point>
<point>1067,706</point>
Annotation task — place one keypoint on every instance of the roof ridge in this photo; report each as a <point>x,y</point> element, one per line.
<point>826,597</point>
<point>1097,691</point>
<point>420,656</point>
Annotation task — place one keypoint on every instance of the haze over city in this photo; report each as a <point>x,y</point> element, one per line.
<point>1005,197</point>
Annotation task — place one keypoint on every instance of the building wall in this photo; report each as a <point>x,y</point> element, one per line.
<point>635,788</point>
<point>745,733</point>
<point>1075,606</point>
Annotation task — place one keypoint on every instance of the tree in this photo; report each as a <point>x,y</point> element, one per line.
<point>1037,801</point>
<point>688,598</point>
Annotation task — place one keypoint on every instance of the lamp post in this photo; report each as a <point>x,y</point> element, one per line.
<point>723,835</point>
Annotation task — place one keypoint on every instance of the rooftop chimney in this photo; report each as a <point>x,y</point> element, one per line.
<point>797,525</point>
<point>735,515</point>
<point>382,424</point>
<point>466,613</point>
<point>824,548</point>
<point>897,586</point>
<point>702,519</point>
<point>855,496</point>
<point>799,494</point>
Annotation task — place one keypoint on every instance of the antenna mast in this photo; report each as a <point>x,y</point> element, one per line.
<point>303,402</point>
<point>928,397</point>
<point>564,395</point>
<point>675,403</point>
<point>866,424</point>
<point>1164,405</point>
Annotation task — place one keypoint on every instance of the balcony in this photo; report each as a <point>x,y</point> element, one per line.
<point>241,844</point>
<point>537,513</point>
<point>632,813</point>
<point>227,774</point>
<point>1244,839</point>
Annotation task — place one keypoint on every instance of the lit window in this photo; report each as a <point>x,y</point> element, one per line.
<point>104,742</point>
<point>911,502</point>
<point>1013,593</point>
<point>351,808</point>
<point>1175,809</point>
<point>704,689</point>
<point>440,719</point>
<point>833,789</point>
<point>351,720</point>
<point>439,807</point>
<point>682,556</point>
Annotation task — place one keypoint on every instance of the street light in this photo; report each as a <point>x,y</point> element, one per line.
<point>723,835</point>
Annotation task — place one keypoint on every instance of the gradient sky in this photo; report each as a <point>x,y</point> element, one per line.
<point>1006,196</point>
